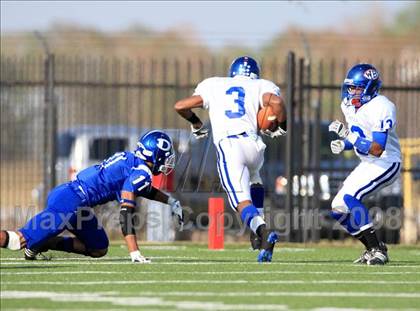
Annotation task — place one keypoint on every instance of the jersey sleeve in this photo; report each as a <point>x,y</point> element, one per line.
<point>268,87</point>
<point>386,118</point>
<point>203,89</point>
<point>139,182</point>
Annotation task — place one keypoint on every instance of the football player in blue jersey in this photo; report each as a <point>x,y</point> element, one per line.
<point>122,177</point>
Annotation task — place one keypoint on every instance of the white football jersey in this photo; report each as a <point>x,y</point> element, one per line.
<point>233,103</point>
<point>378,115</point>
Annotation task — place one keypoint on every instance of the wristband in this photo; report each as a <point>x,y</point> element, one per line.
<point>347,145</point>
<point>128,202</point>
<point>193,119</point>
<point>362,144</point>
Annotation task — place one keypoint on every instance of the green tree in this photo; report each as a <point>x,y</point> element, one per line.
<point>407,21</point>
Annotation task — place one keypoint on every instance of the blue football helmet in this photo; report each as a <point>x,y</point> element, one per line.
<point>245,66</point>
<point>364,76</point>
<point>156,147</point>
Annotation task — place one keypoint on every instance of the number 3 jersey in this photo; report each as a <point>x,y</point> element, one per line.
<point>104,182</point>
<point>233,103</point>
<point>378,115</point>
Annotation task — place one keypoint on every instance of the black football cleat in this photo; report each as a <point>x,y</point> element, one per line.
<point>367,254</point>
<point>267,245</point>
<point>34,255</point>
<point>255,241</point>
<point>377,257</point>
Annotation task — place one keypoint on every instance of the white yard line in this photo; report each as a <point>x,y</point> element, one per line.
<point>164,247</point>
<point>282,293</point>
<point>63,309</point>
<point>210,272</point>
<point>270,282</point>
<point>125,260</point>
<point>136,301</point>
<point>7,259</point>
<point>47,294</point>
<point>249,250</point>
<point>150,308</point>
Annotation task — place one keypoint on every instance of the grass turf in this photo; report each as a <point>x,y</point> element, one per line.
<point>190,277</point>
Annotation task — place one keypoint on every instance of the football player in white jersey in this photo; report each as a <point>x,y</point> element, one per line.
<point>233,103</point>
<point>371,133</point>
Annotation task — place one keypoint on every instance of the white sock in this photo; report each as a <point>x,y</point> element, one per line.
<point>256,221</point>
<point>261,211</point>
<point>14,241</point>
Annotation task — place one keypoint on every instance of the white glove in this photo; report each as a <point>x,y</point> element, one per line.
<point>139,258</point>
<point>339,128</point>
<point>278,132</point>
<point>202,132</point>
<point>337,146</point>
<point>177,211</point>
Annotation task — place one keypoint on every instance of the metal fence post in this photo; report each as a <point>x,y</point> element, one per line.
<point>290,80</point>
<point>316,156</point>
<point>50,127</point>
<point>301,141</point>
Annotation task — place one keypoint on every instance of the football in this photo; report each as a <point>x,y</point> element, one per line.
<point>266,119</point>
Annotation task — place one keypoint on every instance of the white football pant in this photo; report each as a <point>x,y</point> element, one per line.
<point>240,158</point>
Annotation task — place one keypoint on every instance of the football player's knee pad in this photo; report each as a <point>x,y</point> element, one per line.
<point>339,206</point>
<point>96,253</point>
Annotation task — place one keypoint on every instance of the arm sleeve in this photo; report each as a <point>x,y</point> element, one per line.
<point>151,194</point>
<point>139,182</point>
<point>268,87</point>
<point>203,89</point>
<point>380,138</point>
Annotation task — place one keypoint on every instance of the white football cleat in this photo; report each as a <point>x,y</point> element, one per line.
<point>363,258</point>
<point>377,257</point>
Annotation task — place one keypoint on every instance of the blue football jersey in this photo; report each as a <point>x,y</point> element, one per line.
<point>122,172</point>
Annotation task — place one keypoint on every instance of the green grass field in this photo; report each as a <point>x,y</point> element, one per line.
<point>190,277</point>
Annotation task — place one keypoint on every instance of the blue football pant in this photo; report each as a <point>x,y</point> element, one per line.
<point>63,212</point>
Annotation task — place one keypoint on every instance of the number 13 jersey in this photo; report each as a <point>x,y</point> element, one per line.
<point>378,115</point>
<point>233,103</point>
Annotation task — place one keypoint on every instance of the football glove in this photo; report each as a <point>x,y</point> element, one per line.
<point>201,132</point>
<point>137,257</point>
<point>273,134</point>
<point>339,128</point>
<point>177,211</point>
<point>337,146</point>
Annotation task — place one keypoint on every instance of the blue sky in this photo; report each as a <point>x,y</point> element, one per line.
<point>215,22</point>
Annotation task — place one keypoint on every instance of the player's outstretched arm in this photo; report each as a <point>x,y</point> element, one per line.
<point>183,108</point>
<point>156,195</point>
<point>176,208</point>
